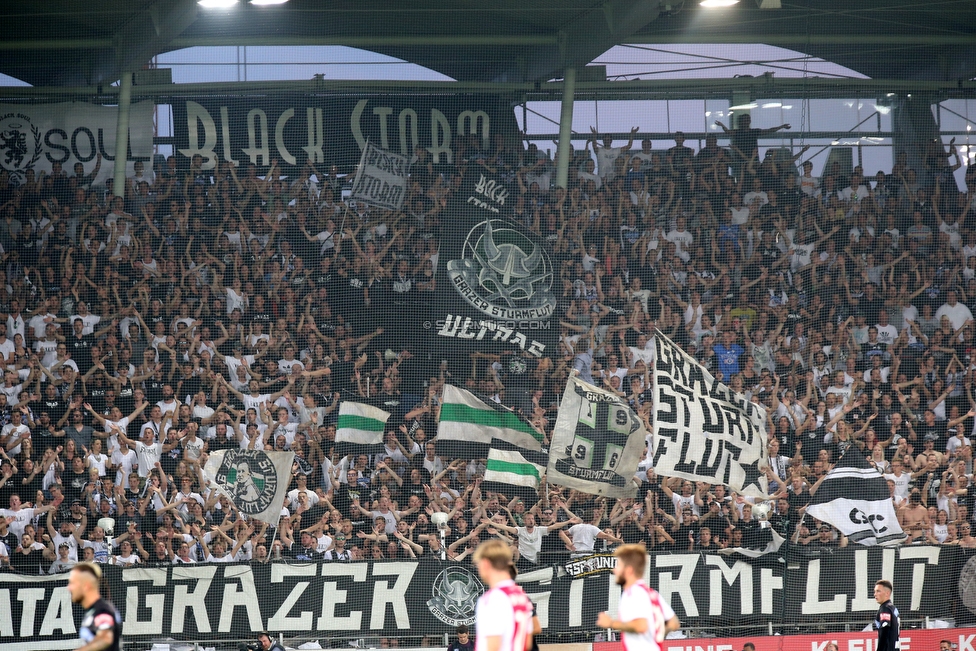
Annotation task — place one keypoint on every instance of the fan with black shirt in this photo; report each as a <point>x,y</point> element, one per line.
<point>74,479</point>
<point>514,372</point>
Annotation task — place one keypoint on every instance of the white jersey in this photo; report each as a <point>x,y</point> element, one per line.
<point>147,456</point>
<point>641,602</point>
<point>530,543</point>
<point>21,519</point>
<point>503,611</point>
<point>256,402</point>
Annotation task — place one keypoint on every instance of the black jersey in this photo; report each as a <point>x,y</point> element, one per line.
<point>102,616</point>
<point>887,625</point>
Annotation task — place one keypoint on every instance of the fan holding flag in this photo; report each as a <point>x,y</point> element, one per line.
<point>256,481</point>
<point>530,538</point>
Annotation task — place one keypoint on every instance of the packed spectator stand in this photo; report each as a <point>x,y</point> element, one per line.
<point>211,309</point>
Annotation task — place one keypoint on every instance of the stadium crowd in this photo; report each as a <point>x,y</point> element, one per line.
<point>210,309</point>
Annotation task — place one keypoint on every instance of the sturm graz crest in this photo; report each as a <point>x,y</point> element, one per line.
<point>20,145</point>
<point>504,272</point>
<point>455,595</point>
<point>250,477</point>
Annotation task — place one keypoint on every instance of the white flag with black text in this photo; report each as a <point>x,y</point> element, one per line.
<point>381,178</point>
<point>703,431</point>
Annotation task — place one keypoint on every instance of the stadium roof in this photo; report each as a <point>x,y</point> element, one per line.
<point>88,42</point>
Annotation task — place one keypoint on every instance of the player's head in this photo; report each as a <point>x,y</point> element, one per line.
<point>493,559</point>
<point>631,560</point>
<point>882,591</point>
<point>462,633</point>
<point>83,581</point>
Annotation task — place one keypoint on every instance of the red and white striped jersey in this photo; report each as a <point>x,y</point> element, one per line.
<point>642,602</point>
<point>504,611</point>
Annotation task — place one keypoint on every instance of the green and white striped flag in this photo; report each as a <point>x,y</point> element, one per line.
<point>507,468</point>
<point>360,428</point>
<point>468,425</point>
<point>476,428</point>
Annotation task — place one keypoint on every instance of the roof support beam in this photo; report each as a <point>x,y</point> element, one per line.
<point>501,40</point>
<point>151,32</point>
<point>565,128</point>
<point>586,37</point>
<point>764,86</point>
<point>122,134</point>
<point>799,39</point>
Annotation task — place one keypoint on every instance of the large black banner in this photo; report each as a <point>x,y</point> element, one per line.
<point>392,598</point>
<point>836,585</point>
<point>495,278</point>
<point>235,601</point>
<point>294,128</point>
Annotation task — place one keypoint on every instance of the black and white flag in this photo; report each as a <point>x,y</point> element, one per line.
<point>703,431</point>
<point>495,278</point>
<point>596,443</point>
<point>854,497</point>
<point>381,178</point>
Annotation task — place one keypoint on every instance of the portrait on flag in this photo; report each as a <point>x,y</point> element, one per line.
<point>703,431</point>
<point>597,442</point>
<point>254,480</point>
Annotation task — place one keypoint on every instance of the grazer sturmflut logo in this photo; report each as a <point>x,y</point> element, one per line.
<point>20,145</point>
<point>504,272</point>
<point>455,596</point>
<point>250,477</point>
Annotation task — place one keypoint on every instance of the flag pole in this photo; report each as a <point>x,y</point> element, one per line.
<point>359,171</point>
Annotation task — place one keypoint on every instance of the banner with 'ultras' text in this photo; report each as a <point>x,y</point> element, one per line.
<point>327,129</point>
<point>397,598</point>
<point>495,278</point>
<point>702,430</point>
<point>35,136</point>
